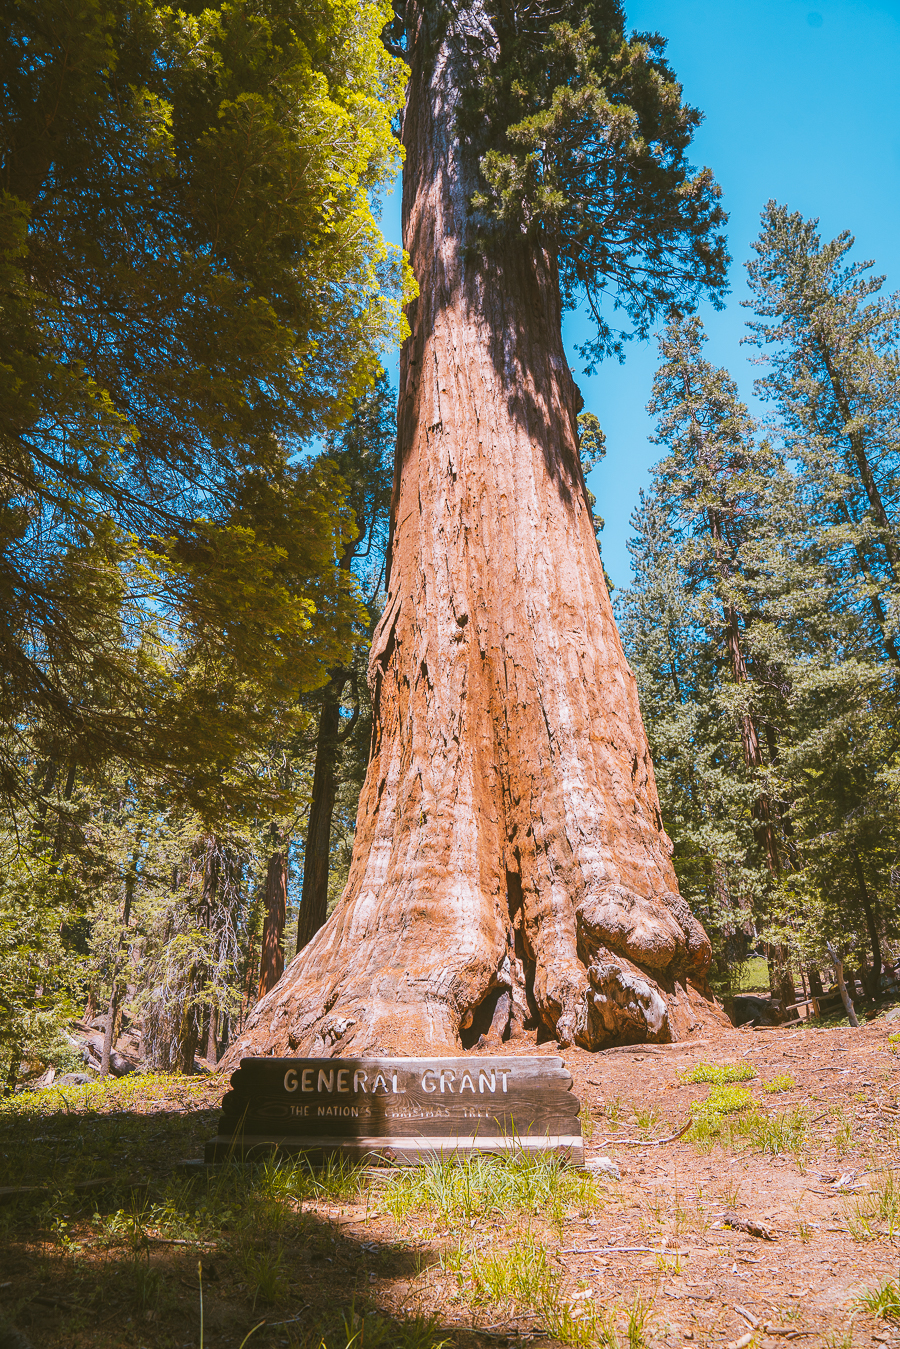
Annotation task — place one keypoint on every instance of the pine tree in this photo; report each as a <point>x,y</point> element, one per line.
<point>686,626</point>
<point>830,349</point>
<point>833,355</point>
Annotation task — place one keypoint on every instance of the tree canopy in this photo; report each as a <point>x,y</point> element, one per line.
<point>582,137</point>
<point>193,286</point>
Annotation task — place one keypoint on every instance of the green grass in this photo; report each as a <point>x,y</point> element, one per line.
<point>876,1215</point>
<point>366,1329</point>
<point>718,1073</point>
<point>754,976</point>
<point>730,1115</point>
<point>785,1132</point>
<point>883,1301</point>
<point>525,1277</point>
<point>780,1082</point>
<point>521,1276</point>
<point>453,1193</point>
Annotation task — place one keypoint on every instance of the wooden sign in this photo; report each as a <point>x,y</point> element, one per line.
<point>398,1110</point>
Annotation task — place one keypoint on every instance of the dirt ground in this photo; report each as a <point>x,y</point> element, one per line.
<point>753,1234</point>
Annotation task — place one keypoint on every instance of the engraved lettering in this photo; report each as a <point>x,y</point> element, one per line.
<point>398,1091</point>
<point>343,1083</point>
<point>290,1080</point>
<point>466,1082</point>
<point>306,1080</point>
<point>327,1079</point>
<point>487,1078</point>
<point>451,1075</point>
<point>359,1080</point>
<point>379,1077</point>
<point>429,1086</point>
<point>504,1073</point>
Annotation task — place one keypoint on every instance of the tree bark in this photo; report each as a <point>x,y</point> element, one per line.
<point>212,1037</point>
<point>873,982</point>
<point>314,894</point>
<point>271,961</point>
<point>509,839</point>
<point>109,1034</point>
<point>838,966</point>
<point>192,1015</point>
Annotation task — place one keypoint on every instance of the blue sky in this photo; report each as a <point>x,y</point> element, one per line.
<point>801,104</point>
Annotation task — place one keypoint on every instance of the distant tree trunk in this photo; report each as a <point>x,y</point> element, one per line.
<point>192,1016</point>
<point>872,981</point>
<point>314,894</point>
<point>815,982</point>
<point>12,1073</point>
<point>781,980</point>
<point>271,960</point>
<point>109,1034</point>
<point>838,966</point>
<point>212,1037</point>
<point>508,837</point>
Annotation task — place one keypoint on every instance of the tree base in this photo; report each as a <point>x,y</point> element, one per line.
<point>613,1002</point>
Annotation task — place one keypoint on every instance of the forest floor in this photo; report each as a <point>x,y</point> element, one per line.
<point>775,1218</point>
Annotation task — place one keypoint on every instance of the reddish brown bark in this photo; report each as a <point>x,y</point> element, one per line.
<point>271,960</point>
<point>509,839</point>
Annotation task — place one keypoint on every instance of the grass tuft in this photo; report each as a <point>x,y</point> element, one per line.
<point>876,1215</point>
<point>481,1185</point>
<point>521,1276</point>
<point>780,1082</point>
<point>883,1301</point>
<point>367,1329</point>
<point>719,1073</point>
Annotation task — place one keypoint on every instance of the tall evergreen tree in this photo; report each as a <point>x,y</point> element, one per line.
<point>686,627</point>
<point>831,351</point>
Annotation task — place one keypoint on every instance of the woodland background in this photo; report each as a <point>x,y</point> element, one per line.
<point>196,440</point>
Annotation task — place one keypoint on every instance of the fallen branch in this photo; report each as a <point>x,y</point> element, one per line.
<point>625,1250</point>
<point>648,1142</point>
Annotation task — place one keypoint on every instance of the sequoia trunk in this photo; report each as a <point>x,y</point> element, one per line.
<point>510,865</point>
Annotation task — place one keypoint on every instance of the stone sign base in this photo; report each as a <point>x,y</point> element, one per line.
<point>401,1111</point>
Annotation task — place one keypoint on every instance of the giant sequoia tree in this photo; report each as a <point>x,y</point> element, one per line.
<point>510,862</point>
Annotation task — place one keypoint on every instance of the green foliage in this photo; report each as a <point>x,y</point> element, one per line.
<point>760,623</point>
<point>683,625</point>
<point>39,979</point>
<point>582,139</point>
<point>194,285</point>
